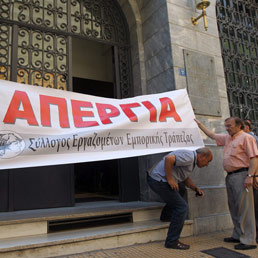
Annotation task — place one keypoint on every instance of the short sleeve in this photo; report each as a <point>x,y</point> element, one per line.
<point>220,139</point>
<point>184,158</point>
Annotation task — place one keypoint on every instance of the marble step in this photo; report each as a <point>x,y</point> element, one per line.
<point>88,239</point>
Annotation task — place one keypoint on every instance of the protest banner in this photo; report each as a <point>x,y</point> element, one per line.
<point>41,126</point>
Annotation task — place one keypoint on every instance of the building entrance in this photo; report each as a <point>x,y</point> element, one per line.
<point>84,39</point>
<point>95,181</point>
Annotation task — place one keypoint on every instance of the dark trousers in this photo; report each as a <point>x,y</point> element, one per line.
<point>175,209</point>
<point>256,211</point>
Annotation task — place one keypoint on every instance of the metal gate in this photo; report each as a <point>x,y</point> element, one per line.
<point>35,40</point>
<point>238,31</point>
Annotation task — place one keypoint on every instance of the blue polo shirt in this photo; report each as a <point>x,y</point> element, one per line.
<point>255,137</point>
<point>183,167</point>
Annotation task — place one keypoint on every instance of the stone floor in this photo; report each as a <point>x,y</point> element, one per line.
<point>156,249</point>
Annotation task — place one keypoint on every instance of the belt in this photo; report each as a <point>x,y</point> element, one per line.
<point>239,170</point>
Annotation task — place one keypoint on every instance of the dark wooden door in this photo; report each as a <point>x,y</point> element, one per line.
<point>4,178</point>
<point>36,188</point>
<point>129,184</point>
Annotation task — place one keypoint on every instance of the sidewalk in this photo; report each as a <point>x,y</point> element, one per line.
<point>157,249</point>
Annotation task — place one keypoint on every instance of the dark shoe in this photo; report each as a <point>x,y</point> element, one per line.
<point>177,245</point>
<point>231,240</point>
<point>244,247</point>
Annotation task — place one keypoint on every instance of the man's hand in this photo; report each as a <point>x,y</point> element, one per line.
<point>207,131</point>
<point>173,184</point>
<point>197,122</point>
<point>248,182</point>
<point>199,192</point>
<point>189,183</point>
<point>253,166</point>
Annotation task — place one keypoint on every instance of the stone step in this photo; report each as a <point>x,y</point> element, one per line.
<point>27,233</point>
<point>36,222</point>
<point>80,210</point>
<point>83,240</point>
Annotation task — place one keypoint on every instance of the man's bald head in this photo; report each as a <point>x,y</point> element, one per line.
<point>204,157</point>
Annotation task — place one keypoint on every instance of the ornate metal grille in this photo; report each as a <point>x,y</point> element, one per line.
<point>40,32</point>
<point>99,19</point>
<point>5,51</point>
<point>238,23</point>
<point>42,58</point>
<point>123,68</point>
<point>51,14</point>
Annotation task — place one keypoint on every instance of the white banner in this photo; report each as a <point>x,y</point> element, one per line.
<point>40,126</point>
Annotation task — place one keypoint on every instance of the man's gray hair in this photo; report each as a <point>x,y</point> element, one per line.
<point>238,121</point>
<point>204,151</point>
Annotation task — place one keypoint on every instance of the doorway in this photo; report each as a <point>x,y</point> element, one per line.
<point>95,181</point>
<point>94,70</point>
<point>92,64</point>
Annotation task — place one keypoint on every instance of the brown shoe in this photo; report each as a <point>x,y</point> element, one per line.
<point>177,245</point>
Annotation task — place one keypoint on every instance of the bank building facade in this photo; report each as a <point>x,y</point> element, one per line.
<point>120,49</point>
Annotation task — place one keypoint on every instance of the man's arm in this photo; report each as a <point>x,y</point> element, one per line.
<point>189,183</point>
<point>207,131</point>
<point>251,171</point>
<point>169,163</point>
<point>255,180</point>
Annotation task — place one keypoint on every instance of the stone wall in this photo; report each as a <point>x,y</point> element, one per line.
<point>211,213</point>
<point>161,30</point>
<point>157,47</point>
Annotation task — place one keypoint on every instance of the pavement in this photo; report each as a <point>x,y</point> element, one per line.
<point>157,249</point>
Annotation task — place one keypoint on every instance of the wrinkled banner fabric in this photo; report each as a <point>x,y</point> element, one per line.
<point>40,126</point>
